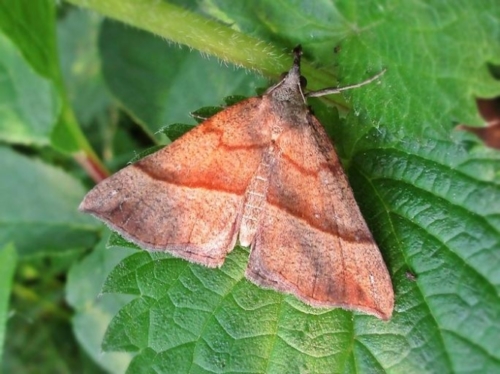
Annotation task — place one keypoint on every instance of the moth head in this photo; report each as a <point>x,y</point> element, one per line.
<point>292,83</point>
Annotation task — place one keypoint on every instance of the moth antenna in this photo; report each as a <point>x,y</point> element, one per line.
<point>335,90</point>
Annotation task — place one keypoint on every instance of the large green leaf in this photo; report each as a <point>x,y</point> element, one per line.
<point>431,197</point>
<point>39,207</point>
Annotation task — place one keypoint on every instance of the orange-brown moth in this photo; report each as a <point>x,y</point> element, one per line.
<point>265,172</point>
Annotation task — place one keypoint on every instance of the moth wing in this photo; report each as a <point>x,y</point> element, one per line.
<point>312,241</point>
<point>187,198</point>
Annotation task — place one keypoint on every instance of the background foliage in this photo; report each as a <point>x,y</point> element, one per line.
<point>83,92</point>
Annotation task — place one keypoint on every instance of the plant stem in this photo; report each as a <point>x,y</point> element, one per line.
<point>195,31</point>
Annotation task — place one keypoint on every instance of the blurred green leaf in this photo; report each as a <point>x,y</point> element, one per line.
<point>31,26</point>
<point>77,34</point>
<point>39,335</point>
<point>39,207</point>
<point>94,310</point>
<point>160,84</point>
<point>8,259</point>
<point>29,103</point>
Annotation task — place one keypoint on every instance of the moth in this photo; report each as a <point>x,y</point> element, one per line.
<point>263,172</point>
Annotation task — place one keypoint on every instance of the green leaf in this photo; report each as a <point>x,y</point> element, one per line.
<point>202,114</point>
<point>29,103</point>
<point>8,259</point>
<point>223,322</point>
<point>37,45</point>
<point>158,84</point>
<point>93,310</point>
<point>445,75</point>
<point>39,207</point>
<point>77,35</point>
<point>176,130</point>
<point>32,28</point>
<point>145,153</point>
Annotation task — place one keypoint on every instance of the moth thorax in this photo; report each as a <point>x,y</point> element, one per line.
<point>255,200</point>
